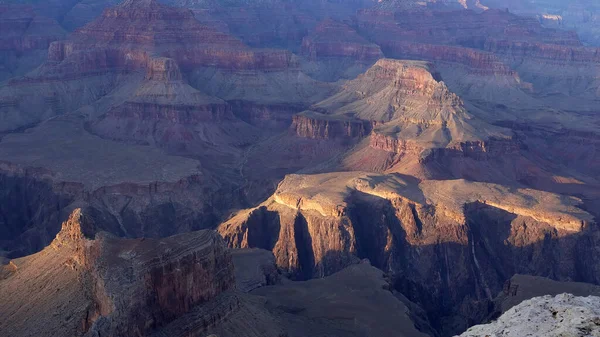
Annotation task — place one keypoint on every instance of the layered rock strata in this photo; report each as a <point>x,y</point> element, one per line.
<point>311,124</point>
<point>167,112</point>
<point>25,39</point>
<point>336,39</point>
<point>118,287</point>
<point>36,201</point>
<point>110,51</point>
<point>433,237</point>
<point>413,113</point>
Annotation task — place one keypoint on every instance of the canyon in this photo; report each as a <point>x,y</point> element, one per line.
<point>292,168</point>
<point>176,286</point>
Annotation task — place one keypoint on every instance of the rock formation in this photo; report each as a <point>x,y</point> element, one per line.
<point>311,124</point>
<point>580,16</point>
<point>254,268</point>
<point>25,39</point>
<point>175,34</point>
<point>519,42</point>
<point>336,39</point>
<point>335,50</point>
<point>451,144</point>
<point>414,117</point>
<point>179,286</point>
<point>96,56</point>
<point>524,287</point>
<point>434,237</point>
<point>562,315</point>
<point>134,202</point>
<point>338,305</point>
<point>168,112</point>
<point>105,285</point>
<point>408,100</point>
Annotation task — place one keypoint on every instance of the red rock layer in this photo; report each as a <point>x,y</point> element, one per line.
<point>273,116</point>
<point>141,284</point>
<point>23,30</point>
<point>175,33</point>
<point>336,39</point>
<point>477,61</point>
<point>119,40</point>
<point>164,109</point>
<point>394,145</point>
<point>517,51</point>
<point>465,28</point>
<point>315,126</point>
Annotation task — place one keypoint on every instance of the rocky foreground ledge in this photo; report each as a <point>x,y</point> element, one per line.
<point>564,315</point>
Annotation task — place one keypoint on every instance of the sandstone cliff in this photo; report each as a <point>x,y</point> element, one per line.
<point>412,111</point>
<point>433,237</point>
<point>113,286</point>
<point>167,112</point>
<point>311,124</point>
<point>93,284</point>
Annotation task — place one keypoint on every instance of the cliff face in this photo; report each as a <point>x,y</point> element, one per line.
<point>478,62</point>
<point>412,110</point>
<point>458,27</point>
<point>183,286</point>
<point>166,111</point>
<point>32,207</point>
<point>119,287</point>
<point>176,34</point>
<point>573,66</point>
<point>186,271</point>
<point>25,39</point>
<point>317,126</point>
<point>336,39</point>
<point>120,33</point>
<point>493,57</point>
<point>434,238</point>
<point>36,201</point>
<point>112,49</point>
<point>580,16</point>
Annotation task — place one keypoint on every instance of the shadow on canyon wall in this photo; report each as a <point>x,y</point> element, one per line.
<point>451,269</point>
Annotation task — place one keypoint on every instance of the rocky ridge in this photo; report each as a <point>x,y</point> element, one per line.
<point>108,299</point>
<point>109,51</point>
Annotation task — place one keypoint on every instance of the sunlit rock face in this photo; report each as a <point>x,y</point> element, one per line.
<point>450,241</point>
